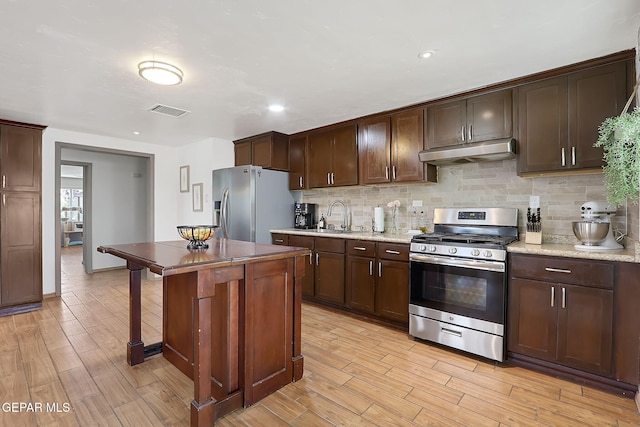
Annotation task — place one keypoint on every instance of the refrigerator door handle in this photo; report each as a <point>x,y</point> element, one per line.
<point>223,213</point>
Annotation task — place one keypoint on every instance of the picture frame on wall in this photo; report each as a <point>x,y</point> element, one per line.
<point>197,197</point>
<point>184,179</point>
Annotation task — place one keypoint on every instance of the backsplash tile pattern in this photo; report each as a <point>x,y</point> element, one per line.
<point>478,185</point>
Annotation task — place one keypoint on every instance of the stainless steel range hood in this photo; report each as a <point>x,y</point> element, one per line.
<point>501,149</point>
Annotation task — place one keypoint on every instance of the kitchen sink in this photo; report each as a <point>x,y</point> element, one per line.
<point>330,231</point>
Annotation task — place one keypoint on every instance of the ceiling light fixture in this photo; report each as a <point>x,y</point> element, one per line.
<point>160,72</point>
<point>276,108</point>
<point>426,54</point>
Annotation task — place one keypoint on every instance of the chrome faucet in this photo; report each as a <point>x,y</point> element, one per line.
<point>344,219</point>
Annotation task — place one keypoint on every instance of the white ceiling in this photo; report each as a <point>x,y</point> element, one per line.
<point>73,64</point>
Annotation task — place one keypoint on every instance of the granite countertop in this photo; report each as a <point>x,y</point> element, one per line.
<point>355,235</point>
<point>631,252</point>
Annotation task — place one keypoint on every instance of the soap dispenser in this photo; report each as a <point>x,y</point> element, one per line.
<point>322,223</point>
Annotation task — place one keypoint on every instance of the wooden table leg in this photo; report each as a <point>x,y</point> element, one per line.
<point>135,346</point>
<point>203,407</point>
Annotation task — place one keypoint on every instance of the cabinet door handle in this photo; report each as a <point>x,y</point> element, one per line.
<point>317,260</point>
<point>333,180</point>
<point>370,268</point>
<point>386,172</point>
<point>359,248</point>
<point>301,185</point>
<point>564,298</point>
<point>4,181</point>
<point>553,295</point>
<point>462,133</point>
<point>557,270</point>
<point>451,332</point>
<point>379,269</point>
<point>311,259</point>
<point>573,156</point>
<point>328,178</point>
<point>470,133</point>
<point>395,174</point>
<point>389,251</point>
<point>563,157</point>
<point>4,200</point>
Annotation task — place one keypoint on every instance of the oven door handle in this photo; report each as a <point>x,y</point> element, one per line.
<point>459,262</point>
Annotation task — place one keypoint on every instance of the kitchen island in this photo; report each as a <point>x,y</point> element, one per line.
<point>231,318</point>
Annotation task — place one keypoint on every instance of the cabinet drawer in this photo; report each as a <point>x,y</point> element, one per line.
<point>329,244</point>
<point>393,251</point>
<point>598,274</point>
<point>301,241</point>
<point>361,248</point>
<point>279,239</point>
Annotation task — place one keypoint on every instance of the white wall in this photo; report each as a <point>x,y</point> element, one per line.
<point>202,158</point>
<point>170,207</point>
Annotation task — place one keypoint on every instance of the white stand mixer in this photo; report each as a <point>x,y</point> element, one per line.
<point>599,212</point>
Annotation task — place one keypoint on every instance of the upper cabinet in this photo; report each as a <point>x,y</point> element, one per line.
<point>269,150</point>
<point>388,149</point>
<point>559,118</point>
<point>20,160</point>
<point>333,157</point>
<point>474,119</point>
<point>298,163</point>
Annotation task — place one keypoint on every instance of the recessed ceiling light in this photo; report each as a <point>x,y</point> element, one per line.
<point>276,108</point>
<point>426,54</point>
<point>136,132</point>
<point>160,72</point>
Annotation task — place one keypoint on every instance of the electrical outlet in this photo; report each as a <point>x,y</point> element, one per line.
<point>417,203</point>
<point>534,202</point>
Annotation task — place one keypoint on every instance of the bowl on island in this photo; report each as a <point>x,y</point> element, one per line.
<point>197,235</point>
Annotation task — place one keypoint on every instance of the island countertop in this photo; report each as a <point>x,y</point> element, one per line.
<point>173,257</point>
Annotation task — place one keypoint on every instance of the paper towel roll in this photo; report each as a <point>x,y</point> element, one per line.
<point>378,219</point>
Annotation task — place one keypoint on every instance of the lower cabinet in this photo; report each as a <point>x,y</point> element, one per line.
<point>378,279</point>
<point>329,269</point>
<point>561,310</point>
<point>364,276</point>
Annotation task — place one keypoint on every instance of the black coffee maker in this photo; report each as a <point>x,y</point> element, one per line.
<point>304,215</point>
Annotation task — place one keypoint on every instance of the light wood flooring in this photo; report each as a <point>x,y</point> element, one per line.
<point>356,373</point>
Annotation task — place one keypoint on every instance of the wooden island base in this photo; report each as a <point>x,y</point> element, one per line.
<point>231,318</point>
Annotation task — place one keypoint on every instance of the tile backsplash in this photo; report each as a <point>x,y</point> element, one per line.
<point>490,184</point>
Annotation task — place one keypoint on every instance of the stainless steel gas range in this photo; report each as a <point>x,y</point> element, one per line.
<point>458,279</point>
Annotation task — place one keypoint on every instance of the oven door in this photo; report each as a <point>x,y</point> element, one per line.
<point>466,287</point>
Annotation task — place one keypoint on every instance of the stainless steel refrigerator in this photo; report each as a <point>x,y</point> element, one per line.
<point>248,201</point>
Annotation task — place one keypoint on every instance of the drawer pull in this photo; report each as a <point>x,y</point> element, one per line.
<point>359,248</point>
<point>279,240</point>
<point>557,270</point>
<point>392,252</point>
<point>451,332</point>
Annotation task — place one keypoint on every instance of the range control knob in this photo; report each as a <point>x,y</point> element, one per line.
<point>488,253</point>
<point>422,248</point>
<point>432,248</point>
<point>452,251</point>
<point>475,252</point>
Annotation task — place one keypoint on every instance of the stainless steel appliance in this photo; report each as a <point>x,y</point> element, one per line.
<point>305,215</point>
<point>248,201</point>
<point>458,279</point>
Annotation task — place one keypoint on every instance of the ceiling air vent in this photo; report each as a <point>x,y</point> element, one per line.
<point>168,111</point>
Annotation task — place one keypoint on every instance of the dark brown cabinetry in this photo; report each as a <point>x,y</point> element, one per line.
<point>388,149</point>
<point>20,218</point>
<point>561,310</point>
<point>333,157</point>
<point>558,118</point>
<point>474,119</point>
<point>378,279</point>
<point>329,269</point>
<point>269,150</point>
<point>308,280</point>
<point>298,163</point>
